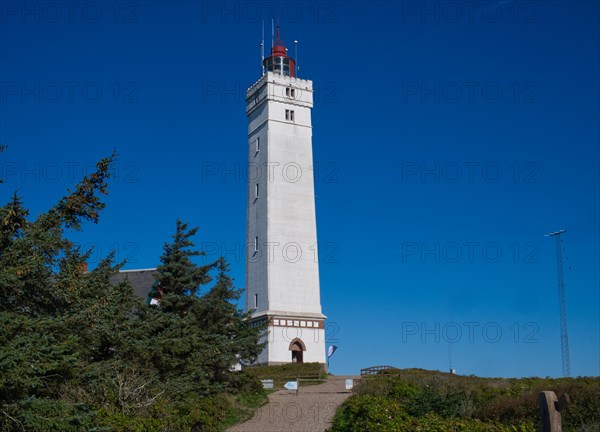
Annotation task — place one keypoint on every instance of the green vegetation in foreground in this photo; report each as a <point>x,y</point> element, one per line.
<point>431,401</point>
<point>80,353</point>
<point>290,372</point>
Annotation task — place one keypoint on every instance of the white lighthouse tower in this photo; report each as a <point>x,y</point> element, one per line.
<point>282,270</point>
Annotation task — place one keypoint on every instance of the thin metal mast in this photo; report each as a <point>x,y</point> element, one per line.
<point>296,58</point>
<point>564,336</point>
<point>262,50</point>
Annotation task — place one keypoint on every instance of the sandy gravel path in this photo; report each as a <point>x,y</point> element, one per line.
<point>310,411</point>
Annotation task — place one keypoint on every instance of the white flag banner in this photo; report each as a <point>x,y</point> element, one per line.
<point>331,350</point>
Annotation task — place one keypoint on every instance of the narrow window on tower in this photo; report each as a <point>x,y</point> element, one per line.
<point>257,144</point>
<point>293,93</point>
<point>291,115</point>
<point>287,114</point>
<point>255,301</point>
<point>255,244</point>
<point>256,192</point>
<point>287,92</point>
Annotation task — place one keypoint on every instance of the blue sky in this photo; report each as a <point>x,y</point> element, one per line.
<point>448,138</point>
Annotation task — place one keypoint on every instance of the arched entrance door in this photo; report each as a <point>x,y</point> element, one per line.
<point>297,348</point>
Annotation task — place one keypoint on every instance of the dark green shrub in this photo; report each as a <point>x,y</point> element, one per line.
<point>246,381</point>
<point>46,415</point>
<point>370,413</point>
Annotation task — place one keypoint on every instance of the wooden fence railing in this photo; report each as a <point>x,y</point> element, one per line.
<point>374,370</point>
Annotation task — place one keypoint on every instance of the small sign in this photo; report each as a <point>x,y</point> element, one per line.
<point>349,384</point>
<point>291,385</point>
<point>267,383</point>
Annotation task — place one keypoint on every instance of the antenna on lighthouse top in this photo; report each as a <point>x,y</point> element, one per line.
<point>296,58</point>
<point>278,40</point>
<point>272,33</point>
<point>262,50</point>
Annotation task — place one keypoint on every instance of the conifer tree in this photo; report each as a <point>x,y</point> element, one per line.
<point>81,353</point>
<point>179,279</point>
<point>236,339</point>
<point>211,334</point>
<point>40,331</point>
<point>33,250</point>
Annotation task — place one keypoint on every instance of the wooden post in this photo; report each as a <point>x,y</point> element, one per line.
<point>550,410</point>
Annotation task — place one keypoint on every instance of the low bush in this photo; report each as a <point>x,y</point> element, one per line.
<point>419,400</point>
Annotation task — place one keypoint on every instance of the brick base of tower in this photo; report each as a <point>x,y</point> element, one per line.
<point>292,339</point>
